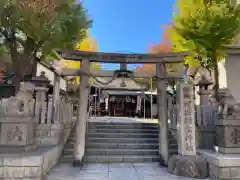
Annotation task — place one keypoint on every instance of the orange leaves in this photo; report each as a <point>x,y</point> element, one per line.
<point>45,7</point>
<point>146,68</point>
<point>165,45</point>
<point>162,47</point>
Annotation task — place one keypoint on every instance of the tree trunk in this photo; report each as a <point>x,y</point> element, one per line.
<point>16,67</point>
<point>32,67</point>
<point>215,77</point>
<point>23,64</point>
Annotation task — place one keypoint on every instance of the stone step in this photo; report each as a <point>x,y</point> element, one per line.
<point>106,145</point>
<point>120,145</point>
<point>124,123</point>
<point>93,151</point>
<point>123,130</point>
<point>121,151</point>
<point>66,160</point>
<point>123,135</point>
<point>116,158</point>
<point>70,147</point>
<point>122,126</point>
<point>120,158</point>
<point>122,140</point>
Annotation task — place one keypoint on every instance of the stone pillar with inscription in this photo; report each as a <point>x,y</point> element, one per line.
<point>79,146</point>
<point>186,128</point>
<point>187,163</point>
<point>162,113</point>
<point>228,126</point>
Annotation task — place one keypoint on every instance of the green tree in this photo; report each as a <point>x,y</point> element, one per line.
<point>30,28</point>
<point>206,27</point>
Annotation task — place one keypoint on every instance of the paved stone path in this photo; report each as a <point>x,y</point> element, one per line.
<point>117,171</point>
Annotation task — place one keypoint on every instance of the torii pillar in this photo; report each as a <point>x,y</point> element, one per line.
<point>82,116</point>
<point>162,113</point>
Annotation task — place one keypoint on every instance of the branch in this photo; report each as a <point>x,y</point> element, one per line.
<point>4,33</point>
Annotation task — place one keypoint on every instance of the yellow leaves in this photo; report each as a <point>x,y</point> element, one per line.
<point>88,44</point>
<point>70,64</point>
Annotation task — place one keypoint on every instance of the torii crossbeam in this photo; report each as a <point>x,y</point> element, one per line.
<point>122,58</point>
<point>130,58</point>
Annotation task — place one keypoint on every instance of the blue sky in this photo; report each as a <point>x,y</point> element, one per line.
<point>128,25</point>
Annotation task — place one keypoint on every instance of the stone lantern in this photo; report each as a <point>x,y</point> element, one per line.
<point>203,92</point>
<point>203,83</point>
<point>40,81</point>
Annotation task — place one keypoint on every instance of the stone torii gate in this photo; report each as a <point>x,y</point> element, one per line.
<point>159,59</point>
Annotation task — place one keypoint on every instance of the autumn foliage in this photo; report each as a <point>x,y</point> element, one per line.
<point>165,45</point>
<point>87,44</point>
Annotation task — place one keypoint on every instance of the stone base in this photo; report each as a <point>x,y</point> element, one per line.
<point>17,131</point>
<point>17,149</point>
<point>77,163</point>
<point>226,150</point>
<point>162,162</point>
<point>222,166</point>
<point>188,166</point>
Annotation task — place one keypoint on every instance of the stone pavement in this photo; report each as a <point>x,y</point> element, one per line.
<point>114,171</point>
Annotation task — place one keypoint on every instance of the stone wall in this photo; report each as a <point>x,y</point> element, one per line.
<point>37,163</point>
<point>52,134</point>
<point>32,135</point>
<point>30,166</point>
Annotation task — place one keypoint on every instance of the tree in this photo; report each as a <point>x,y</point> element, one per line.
<point>206,27</point>
<point>163,46</point>
<point>29,28</point>
<point>87,44</point>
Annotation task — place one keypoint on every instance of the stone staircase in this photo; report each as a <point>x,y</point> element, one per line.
<point>68,151</point>
<point>119,142</point>
<point>122,142</point>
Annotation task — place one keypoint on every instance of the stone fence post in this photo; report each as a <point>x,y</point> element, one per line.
<point>56,98</point>
<point>48,132</point>
<point>41,104</point>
